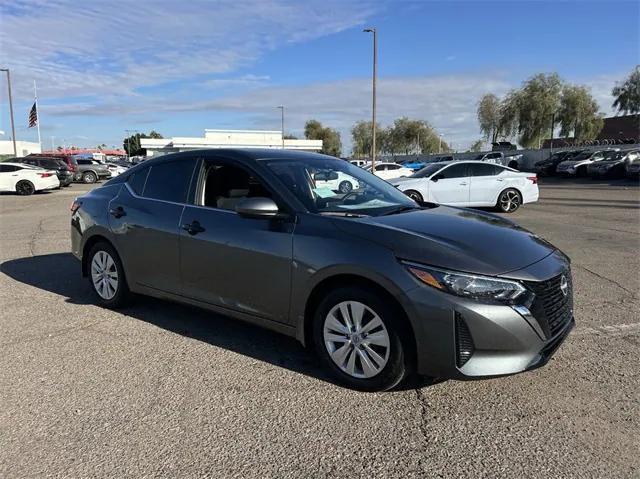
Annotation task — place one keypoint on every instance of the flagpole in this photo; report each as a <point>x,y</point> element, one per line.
<point>35,92</point>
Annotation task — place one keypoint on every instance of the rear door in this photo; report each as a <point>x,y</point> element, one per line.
<point>451,187</point>
<point>485,182</point>
<point>233,262</point>
<point>145,218</point>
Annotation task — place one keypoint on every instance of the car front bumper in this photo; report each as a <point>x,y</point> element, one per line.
<point>457,338</point>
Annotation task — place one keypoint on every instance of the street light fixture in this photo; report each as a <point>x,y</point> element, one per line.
<point>373,100</point>
<point>281,108</point>
<point>13,127</point>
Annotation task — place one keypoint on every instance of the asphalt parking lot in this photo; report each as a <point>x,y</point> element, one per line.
<point>161,389</point>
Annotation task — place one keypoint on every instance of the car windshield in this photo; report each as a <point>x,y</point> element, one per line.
<point>585,155</point>
<point>329,186</point>
<point>428,170</point>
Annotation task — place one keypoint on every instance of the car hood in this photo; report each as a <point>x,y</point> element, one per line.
<point>453,238</point>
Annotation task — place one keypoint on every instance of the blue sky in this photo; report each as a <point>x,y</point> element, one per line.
<point>180,67</point>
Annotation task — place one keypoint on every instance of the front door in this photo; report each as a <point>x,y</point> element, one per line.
<point>230,261</point>
<point>451,187</point>
<point>145,219</point>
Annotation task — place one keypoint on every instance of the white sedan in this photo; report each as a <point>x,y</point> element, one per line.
<point>116,169</point>
<point>388,171</point>
<point>335,181</point>
<point>26,179</point>
<point>471,183</point>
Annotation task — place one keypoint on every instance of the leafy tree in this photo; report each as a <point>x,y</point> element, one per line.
<point>627,94</point>
<point>290,137</point>
<point>535,103</point>
<point>331,142</point>
<point>489,116</point>
<point>579,113</point>
<point>361,139</point>
<point>132,143</point>
<point>476,146</point>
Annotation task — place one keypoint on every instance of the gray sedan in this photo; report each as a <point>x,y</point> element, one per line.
<point>379,285</point>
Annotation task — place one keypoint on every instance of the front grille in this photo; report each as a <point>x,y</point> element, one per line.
<point>551,307</point>
<point>464,342</point>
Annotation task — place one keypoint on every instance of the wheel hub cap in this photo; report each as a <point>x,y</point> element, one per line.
<point>356,339</point>
<point>104,275</point>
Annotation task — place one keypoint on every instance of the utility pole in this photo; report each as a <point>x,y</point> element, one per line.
<point>373,100</point>
<point>553,125</point>
<point>281,108</point>
<point>13,126</point>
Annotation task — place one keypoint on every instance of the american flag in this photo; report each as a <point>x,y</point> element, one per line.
<point>33,116</point>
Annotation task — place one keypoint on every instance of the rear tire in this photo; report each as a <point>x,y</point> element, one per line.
<point>414,195</point>
<point>345,187</point>
<point>89,177</point>
<point>25,188</point>
<point>366,351</point>
<point>509,200</point>
<point>106,276</point>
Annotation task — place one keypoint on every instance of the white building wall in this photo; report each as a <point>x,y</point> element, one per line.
<point>227,139</point>
<point>23,148</point>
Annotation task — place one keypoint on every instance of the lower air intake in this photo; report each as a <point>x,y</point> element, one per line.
<point>464,342</point>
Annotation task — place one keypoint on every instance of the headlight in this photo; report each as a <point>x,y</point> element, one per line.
<point>472,286</point>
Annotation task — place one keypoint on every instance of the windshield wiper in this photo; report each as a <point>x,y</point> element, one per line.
<point>401,209</point>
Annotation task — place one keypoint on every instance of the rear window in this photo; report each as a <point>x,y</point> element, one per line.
<point>485,169</point>
<point>169,181</point>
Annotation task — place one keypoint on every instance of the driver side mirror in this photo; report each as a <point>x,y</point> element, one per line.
<point>437,177</point>
<point>258,208</point>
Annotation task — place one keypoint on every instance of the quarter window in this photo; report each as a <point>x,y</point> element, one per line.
<point>169,181</point>
<point>137,180</point>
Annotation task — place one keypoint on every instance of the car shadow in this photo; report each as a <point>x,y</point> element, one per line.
<point>59,273</point>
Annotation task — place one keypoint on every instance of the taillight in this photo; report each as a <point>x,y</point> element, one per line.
<point>534,179</point>
<point>45,175</point>
<point>75,205</point>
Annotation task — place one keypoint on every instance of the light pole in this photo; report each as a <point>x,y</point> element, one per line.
<point>373,100</point>
<point>281,108</point>
<point>13,127</point>
<point>53,148</point>
<point>440,144</point>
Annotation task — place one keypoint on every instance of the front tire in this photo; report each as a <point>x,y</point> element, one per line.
<point>25,188</point>
<point>106,276</point>
<point>358,337</point>
<point>89,177</point>
<point>509,201</point>
<point>414,195</point>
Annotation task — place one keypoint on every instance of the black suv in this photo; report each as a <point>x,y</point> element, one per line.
<point>62,170</point>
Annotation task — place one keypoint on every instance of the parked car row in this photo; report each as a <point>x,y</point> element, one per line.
<point>611,162</point>
<point>37,172</point>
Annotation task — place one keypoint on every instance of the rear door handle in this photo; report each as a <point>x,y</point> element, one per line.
<point>464,184</point>
<point>117,212</point>
<point>193,228</point>
<point>499,179</point>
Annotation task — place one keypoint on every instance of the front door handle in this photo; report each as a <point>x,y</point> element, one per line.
<point>193,228</point>
<point>464,184</point>
<point>117,212</point>
<point>499,179</point>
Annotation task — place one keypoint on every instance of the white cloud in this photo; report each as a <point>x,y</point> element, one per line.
<point>113,48</point>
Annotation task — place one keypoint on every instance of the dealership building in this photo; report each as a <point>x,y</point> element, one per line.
<point>227,139</point>
<point>23,148</point>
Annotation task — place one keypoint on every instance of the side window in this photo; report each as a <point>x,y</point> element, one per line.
<point>7,168</point>
<point>454,171</point>
<point>169,181</point>
<point>227,185</point>
<point>137,180</point>
<point>493,156</point>
<point>381,167</point>
<point>485,169</point>
<point>393,167</point>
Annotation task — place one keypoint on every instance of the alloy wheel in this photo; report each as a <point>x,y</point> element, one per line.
<point>25,188</point>
<point>509,201</point>
<point>104,275</point>
<point>356,339</point>
<point>345,187</point>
